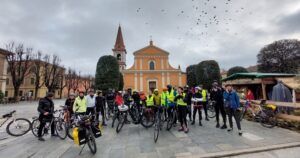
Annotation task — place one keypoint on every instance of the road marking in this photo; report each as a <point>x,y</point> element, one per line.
<point>252,137</point>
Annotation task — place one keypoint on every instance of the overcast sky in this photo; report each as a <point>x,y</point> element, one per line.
<point>80,31</point>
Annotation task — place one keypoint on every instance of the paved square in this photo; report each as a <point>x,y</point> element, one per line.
<point>136,141</point>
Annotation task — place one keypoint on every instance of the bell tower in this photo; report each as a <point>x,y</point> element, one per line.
<point>119,50</point>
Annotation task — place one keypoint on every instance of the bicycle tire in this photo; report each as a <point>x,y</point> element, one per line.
<point>8,130</point>
<point>114,120</point>
<point>144,118</point>
<point>35,127</point>
<point>70,132</point>
<point>120,123</point>
<point>60,126</point>
<point>169,123</point>
<point>242,115</point>
<point>265,121</point>
<point>91,142</point>
<point>156,128</point>
<point>211,111</point>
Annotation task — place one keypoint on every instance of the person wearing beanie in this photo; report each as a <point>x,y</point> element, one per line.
<point>46,109</point>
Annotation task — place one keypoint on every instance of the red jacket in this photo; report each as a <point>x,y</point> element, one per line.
<point>119,100</point>
<point>250,95</point>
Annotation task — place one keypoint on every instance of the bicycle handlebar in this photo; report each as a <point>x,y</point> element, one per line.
<point>9,114</point>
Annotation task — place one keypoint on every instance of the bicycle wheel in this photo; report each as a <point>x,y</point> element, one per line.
<point>267,119</point>
<point>114,120</point>
<point>70,132</point>
<point>60,128</point>
<point>18,127</point>
<point>91,142</point>
<point>35,127</point>
<point>169,123</point>
<point>156,128</point>
<point>211,110</point>
<point>147,120</point>
<point>242,114</point>
<point>121,122</point>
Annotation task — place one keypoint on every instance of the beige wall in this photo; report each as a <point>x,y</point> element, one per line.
<point>139,75</point>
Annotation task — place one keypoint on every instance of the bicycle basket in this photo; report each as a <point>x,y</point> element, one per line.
<point>123,108</point>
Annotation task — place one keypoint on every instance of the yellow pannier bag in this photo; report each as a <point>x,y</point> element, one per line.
<point>79,136</point>
<point>271,106</point>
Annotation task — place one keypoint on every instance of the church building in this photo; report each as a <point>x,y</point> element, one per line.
<point>151,68</point>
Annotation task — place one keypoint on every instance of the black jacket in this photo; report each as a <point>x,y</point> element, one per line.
<point>127,99</point>
<point>110,96</point>
<point>69,103</point>
<point>45,105</point>
<point>100,102</point>
<point>217,95</point>
<point>136,97</point>
<point>189,96</point>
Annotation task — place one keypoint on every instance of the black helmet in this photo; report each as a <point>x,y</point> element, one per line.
<point>169,86</point>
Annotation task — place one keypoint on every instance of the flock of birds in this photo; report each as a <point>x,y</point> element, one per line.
<point>204,18</point>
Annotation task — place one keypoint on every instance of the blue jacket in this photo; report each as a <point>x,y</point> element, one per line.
<point>232,99</point>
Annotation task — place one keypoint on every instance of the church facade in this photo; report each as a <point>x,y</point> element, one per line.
<point>151,69</point>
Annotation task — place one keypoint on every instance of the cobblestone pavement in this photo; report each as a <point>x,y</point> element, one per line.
<point>136,141</point>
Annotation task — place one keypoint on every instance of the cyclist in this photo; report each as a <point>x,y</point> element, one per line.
<point>91,102</point>
<point>171,94</point>
<point>204,100</point>
<point>80,104</point>
<point>189,95</point>
<point>150,101</point>
<point>46,109</point>
<point>216,94</point>
<point>110,99</point>
<point>127,97</point>
<point>181,100</point>
<point>136,98</point>
<point>100,106</point>
<point>69,104</point>
<point>163,101</point>
<point>232,102</point>
<point>197,100</point>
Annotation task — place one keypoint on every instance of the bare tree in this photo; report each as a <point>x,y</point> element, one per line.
<point>62,81</point>
<point>19,64</point>
<point>38,71</point>
<point>86,82</point>
<point>52,72</point>
<point>75,81</point>
<point>69,80</point>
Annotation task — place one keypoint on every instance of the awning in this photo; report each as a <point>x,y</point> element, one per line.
<point>253,75</point>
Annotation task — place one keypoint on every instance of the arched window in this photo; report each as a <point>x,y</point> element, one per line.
<point>119,57</point>
<point>151,65</point>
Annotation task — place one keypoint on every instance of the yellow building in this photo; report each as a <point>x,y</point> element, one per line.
<point>3,69</point>
<point>151,68</point>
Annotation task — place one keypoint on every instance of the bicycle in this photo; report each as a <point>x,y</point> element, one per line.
<point>211,109</point>
<point>148,117</point>
<point>59,125</point>
<point>134,113</point>
<point>121,116</point>
<point>266,114</point>
<point>110,109</point>
<point>171,120</point>
<point>158,123</point>
<point>85,133</point>
<point>21,124</point>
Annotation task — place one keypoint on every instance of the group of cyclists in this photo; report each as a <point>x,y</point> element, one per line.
<point>187,101</point>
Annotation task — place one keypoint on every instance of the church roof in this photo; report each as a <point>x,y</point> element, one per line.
<point>119,45</point>
<point>154,50</point>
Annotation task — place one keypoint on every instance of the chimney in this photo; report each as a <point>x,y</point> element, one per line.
<point>151,43</point>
